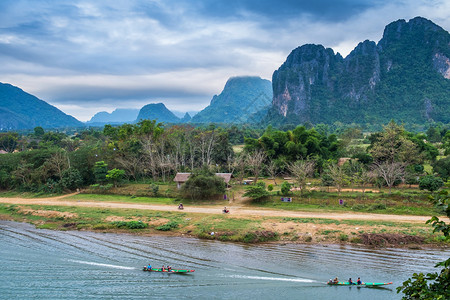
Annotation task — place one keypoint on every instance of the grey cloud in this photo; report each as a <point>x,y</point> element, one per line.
<point>42,41</point>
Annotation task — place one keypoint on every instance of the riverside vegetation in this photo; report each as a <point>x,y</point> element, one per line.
<point>135,164</point>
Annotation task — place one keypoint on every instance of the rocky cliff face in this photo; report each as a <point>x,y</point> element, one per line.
<point>404,77</point>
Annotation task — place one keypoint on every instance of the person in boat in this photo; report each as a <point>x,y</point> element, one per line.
<point>350,281</point>
<point>359,282</point>
<point>169,268</point>
<point>335,280</point>
<point>163,268</point>
<point>330,281</point>
<point>149,267</point>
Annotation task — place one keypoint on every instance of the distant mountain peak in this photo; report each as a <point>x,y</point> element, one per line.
<point>240,99</point>
<point>118,116</point>
<point>21,110</point>
<point>158,112</point>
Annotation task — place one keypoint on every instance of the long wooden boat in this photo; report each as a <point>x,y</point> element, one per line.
<point>368,284</point>
<point>166,271</point>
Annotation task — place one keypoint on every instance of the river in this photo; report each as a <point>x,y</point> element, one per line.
<point>45,264</point>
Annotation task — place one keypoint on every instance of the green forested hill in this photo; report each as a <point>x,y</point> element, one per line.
<point>240,99</point>
<point>158,112</point>
<point>20,110</point>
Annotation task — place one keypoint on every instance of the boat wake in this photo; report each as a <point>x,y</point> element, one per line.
<point>101,265</point>
<point>273,278</point>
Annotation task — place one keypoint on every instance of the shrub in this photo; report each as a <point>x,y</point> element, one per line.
<point>430,183</point>
<point>257,191</point>
<point>343,237</point>
<point>168,226</point>
<point>130,224</point>
<point>155,189</point>
<point>358,207</point>
<point>71,179</point>
<point>270,187</point>
<point>202,186</point>
<point>285,188</point>
<point>377,206</point>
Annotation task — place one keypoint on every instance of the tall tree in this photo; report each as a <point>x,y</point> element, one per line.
<point>391,146</point>
<point>301,169</point>
<point>337,173</point>
<point>255,161</point>
<point>389,171</point>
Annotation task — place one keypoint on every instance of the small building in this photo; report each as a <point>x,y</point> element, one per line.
<point>226,177</point>
<point>181,178</point>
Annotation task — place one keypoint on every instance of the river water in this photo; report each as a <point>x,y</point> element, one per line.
<point>45,264</point>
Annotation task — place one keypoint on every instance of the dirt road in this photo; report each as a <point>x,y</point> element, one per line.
<point>234,210</point>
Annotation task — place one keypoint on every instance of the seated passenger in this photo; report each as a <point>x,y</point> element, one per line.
<point>359,281</point>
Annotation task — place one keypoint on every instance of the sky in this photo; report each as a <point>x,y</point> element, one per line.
<point>90,56</point>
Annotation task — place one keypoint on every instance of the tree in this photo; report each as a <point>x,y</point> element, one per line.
<point>8,141</point>
<point>255,161</point>
<point>389,171</point>
<point>57,163</point>
<point>285,188</point>
<point>71,179</point>
<point>240,164</point>
<point>38,131</point>
<point>100,171</point>
<point>301,169</point>
<point>338,175</point>
<point>257,191</point>
<point>442,167</point>
<point>434,285</point>
<point>430,183</point>
<point>272,169</point>
<point>202,185</point>
<point>391,145</point>
<point>115,176</point>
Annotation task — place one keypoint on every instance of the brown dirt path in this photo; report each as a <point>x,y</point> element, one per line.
<point>234,210</point>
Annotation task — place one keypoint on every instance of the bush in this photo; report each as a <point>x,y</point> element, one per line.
<point>358,207</point>
<point>257,191</point>
<point>343,237</point>
<point>377,206</point>
<point>202,186</point>
<point>442,168</point>
<point>285,188</point>
<point>270,187</point>
<point>168,226</point>
<point>130,224</point>
<point>430,183</point>
<point>71,179</point>
<point>155,189</point>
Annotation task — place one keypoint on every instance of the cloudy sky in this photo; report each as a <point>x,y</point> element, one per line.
<point>86,56</point>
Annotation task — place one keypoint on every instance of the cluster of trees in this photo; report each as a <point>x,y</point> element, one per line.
<point>54,161</point>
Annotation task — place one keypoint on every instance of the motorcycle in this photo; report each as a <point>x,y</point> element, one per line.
<point>181,207</point>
